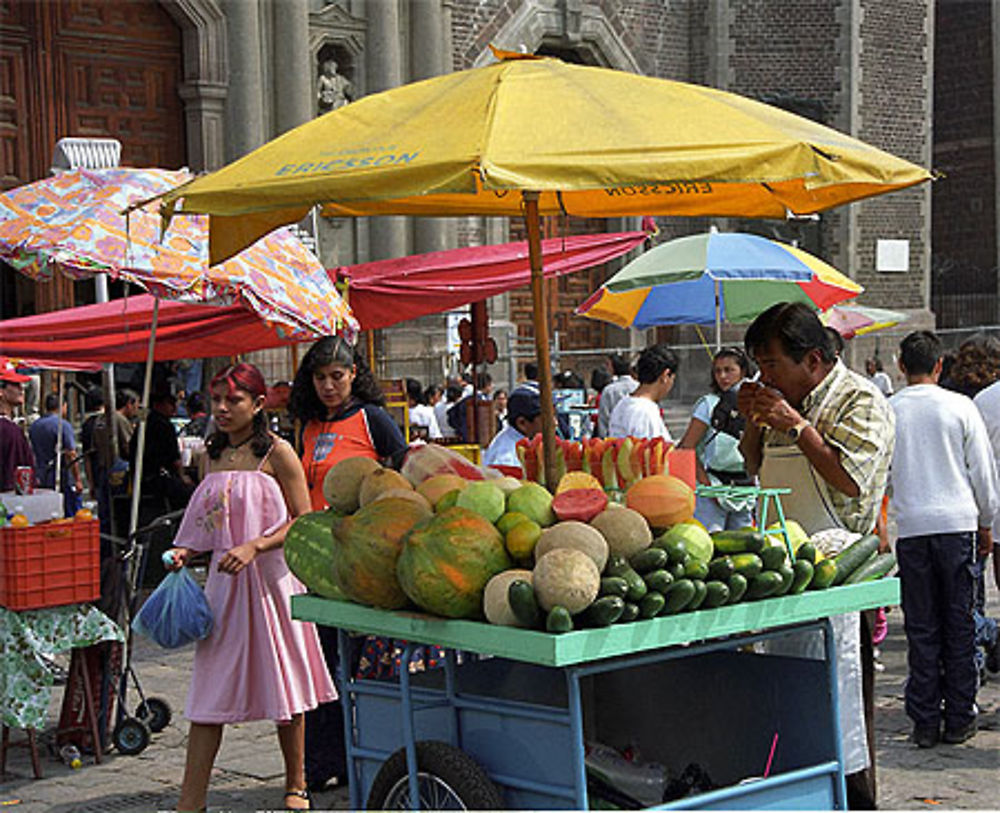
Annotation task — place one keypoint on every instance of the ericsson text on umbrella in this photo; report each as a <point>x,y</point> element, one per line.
<point>665,188</point>
<point>349,163</point>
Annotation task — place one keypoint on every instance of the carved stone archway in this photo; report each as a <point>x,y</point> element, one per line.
<point>205,84</point>
<point>335,32</point>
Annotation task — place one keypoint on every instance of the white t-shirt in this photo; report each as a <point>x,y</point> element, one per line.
<point>943,476</point>
<point>638,417</point>
<point>610,396</point>
<point>423,415</point>
<point>883,382</point>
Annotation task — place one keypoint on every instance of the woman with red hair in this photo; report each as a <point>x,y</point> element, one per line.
<point>258,663</point>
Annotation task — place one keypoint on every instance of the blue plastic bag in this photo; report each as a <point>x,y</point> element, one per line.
<point>176,612</point>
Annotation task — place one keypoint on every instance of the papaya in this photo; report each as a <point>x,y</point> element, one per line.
<point>662,499</point>
<point>582,504</point>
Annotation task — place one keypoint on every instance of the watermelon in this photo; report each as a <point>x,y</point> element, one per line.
<point>582,504</point>
<point>309,552</point>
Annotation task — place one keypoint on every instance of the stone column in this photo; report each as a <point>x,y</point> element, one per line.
<point>244,103</point>
<point>427,59</point>
<point>384,62</point>
<point>293,71</point>
<point>204,115</point>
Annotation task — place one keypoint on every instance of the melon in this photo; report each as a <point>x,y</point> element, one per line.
<point>484,498</point>
<point>534,502</point>
<point>447,561</point>
<point>496,607</point>
<point>626,531</point>
<point>697,541</point>
<point>662,499</point>
<point>367,545</point>
<point>434,488</point>
<point>576,535</point>
<point>342,483</point>
<point>403,494</point>
<point>309,552</point>
<point>567,578</point>
<point>379,481</point>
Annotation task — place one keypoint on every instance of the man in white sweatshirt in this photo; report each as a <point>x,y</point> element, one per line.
<point>943,484</point>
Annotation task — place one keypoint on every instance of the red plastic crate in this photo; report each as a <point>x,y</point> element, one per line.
<point>50,564</point>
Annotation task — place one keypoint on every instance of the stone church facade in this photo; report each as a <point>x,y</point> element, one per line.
<point>202,82</point>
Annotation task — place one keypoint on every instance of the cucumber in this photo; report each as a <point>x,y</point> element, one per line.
<point>823,574</point>
<point>630,613</point>
<point>803,570</point>
<point>651,604</point>
<point>716,594</point>
<point>738,541</point>
<point>679,595</point>
<point>764,584</point>
<point>721,568</point>
<point>559,620</point>
<point>636,586</point>
<point>658,580</point>
<point>676,569</point>
<point>854,556</point>
<point>649,559</point>
<point>748,564</point>
<point>737,587</point>
<point>695,569</point>
<point>521,597</point>
<point>787,577</point>
<point>605,611</point>
<point>875,569</point>
<point>773,556</point>
<point>700,591</point>
<point>675,548</point>
<point>613,586</point>
<point>616,565</point>
<point>806,552</point>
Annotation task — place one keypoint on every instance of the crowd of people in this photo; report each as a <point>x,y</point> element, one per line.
<point>783,411</point>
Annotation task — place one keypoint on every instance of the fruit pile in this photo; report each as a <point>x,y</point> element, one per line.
<point>513,552</point>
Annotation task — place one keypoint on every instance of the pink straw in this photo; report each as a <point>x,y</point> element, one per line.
<point>770,757</point>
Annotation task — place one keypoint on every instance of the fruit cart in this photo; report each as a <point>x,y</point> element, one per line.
<point>509,730</point>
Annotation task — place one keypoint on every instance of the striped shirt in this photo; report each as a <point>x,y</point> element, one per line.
<point>853,417</point>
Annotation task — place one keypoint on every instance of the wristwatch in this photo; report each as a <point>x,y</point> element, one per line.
<point>798,429</point>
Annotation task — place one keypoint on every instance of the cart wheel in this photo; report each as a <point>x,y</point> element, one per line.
<point>447,778</point>
<point>131,736</point>
<point>155,713</point>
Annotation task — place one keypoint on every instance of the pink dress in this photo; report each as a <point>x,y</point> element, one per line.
<point>258,663</point>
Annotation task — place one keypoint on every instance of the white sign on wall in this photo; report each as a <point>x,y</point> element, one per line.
<point>892,256</point>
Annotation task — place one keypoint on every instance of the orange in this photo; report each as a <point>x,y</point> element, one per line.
<point>522,538</point>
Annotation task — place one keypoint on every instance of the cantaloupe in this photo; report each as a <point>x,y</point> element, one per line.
<point>342,483</point>
<point>567,578</point>
<point>379,481</point>
<point>576,535</point>
<point>496,607</point>
<point>626,531</point>
<point>403,494</point>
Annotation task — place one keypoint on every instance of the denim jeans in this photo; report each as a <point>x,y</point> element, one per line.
<point>936,572</point>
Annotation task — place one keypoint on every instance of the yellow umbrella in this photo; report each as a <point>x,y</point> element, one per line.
<point>535,136</point>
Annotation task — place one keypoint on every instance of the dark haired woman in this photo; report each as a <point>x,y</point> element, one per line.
<point>258,663</point>
<point>340,405</point>
<point>717,450</point>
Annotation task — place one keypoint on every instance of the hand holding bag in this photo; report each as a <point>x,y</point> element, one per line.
<point>176,612</point>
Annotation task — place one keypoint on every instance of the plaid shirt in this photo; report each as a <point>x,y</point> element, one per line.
<point>858,422</point>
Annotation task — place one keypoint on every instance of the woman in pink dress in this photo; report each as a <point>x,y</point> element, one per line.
<point>257,663</point>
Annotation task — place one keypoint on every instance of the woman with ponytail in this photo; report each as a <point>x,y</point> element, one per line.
<point>257,663</point>
<point>340,405</point>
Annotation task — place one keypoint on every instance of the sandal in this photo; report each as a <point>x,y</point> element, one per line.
<point>298,794</point>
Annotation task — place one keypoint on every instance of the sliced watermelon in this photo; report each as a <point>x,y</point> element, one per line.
<point>582,504</point>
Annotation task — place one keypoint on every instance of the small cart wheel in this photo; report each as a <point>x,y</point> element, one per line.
<point>155,713</point>
<point>131,736</point>
<point>447,779</point>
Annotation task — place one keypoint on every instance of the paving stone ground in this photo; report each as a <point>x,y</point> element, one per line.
<point>248,774</point>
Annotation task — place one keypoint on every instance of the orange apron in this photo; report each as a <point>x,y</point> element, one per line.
<point>325,443</point>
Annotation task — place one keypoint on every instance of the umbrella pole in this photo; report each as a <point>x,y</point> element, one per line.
<point>140,443</point>
<point>541,324</point>
<point>718,318</point>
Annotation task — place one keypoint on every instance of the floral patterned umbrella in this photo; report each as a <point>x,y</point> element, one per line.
<point>73,223</point>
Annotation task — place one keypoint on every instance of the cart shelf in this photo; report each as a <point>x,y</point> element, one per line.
<point>581,646</point>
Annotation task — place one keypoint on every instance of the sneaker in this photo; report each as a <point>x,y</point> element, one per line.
<point>954,736</point>
<point>881,627</point>
<point>926,736</point>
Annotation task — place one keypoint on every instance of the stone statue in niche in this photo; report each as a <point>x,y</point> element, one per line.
<point>334,90</point>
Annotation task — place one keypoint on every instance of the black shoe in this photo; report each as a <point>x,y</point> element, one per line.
<point>993,655</point>
<point>953,736</point>
<point>926,736</point>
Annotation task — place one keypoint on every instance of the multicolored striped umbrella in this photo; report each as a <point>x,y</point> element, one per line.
<point>72,223</point>
<point>709,278</point>
<point>857,320</point>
